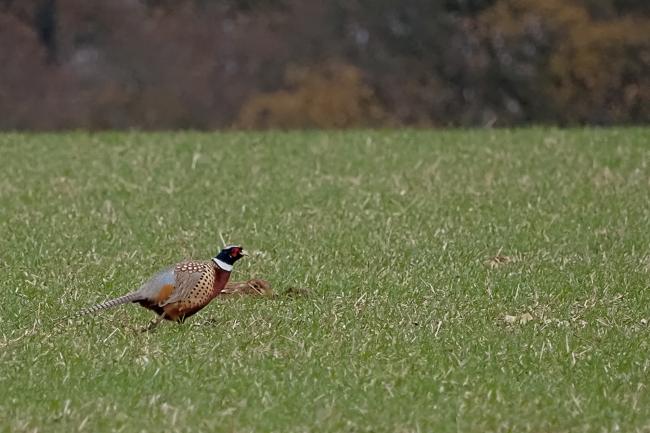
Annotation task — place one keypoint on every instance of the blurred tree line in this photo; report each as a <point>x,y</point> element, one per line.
<point>318,63</point>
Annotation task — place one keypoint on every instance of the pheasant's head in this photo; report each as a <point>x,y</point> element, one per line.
<point>228,256</point>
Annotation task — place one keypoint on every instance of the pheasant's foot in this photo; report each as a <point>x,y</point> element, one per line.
<point>153,324</point>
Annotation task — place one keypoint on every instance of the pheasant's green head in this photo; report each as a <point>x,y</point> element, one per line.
<point>228,256</point>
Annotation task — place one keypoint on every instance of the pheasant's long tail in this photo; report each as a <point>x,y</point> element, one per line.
<point>131,297</point>
<point>38,328</point>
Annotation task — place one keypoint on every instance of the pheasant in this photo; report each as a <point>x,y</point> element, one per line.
<point>181,290</point>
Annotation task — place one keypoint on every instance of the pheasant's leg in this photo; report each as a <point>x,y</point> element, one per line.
<point>155,322</point>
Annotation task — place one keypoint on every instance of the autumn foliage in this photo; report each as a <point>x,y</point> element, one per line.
<point>204,64</point>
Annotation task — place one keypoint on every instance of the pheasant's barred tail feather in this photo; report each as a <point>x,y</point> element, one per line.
<point>109,304</point>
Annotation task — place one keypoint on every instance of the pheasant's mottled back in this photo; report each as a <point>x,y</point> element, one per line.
<point>181,290</point>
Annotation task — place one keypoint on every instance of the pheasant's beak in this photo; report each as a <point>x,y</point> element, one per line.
<point>243,253</point>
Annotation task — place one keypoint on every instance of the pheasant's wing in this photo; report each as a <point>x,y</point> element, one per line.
<point>186,277</point>
<point>151,289</point>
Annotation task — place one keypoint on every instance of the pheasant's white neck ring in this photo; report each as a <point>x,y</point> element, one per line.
<point>223,265</point>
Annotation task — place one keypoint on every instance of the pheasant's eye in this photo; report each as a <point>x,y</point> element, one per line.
<point>234,252</point>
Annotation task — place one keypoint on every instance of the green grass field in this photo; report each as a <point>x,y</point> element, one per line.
<point>460,281</point>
